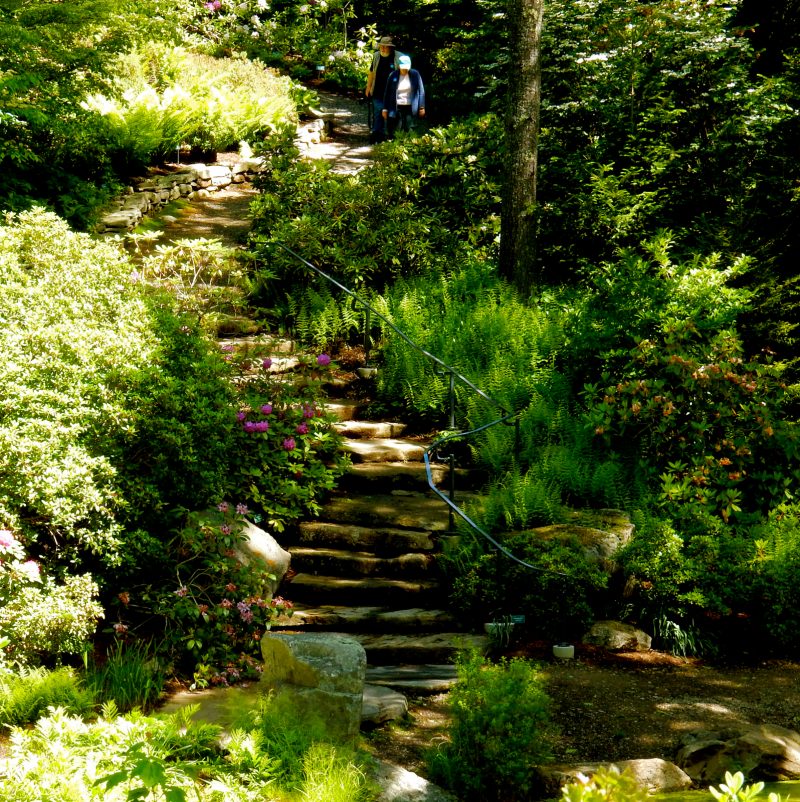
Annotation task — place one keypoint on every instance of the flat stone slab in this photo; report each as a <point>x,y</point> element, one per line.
<point>381,704</point>
<point>304,586</point>
<point>344,410</point>
<point>436,647</point>
<point>400,785</point>
<point>377,618</point>
<point>386,450</point>
<point>360,563</point>
<point>380,540</point>
<point>357,429</point>
<point>405,510</point>
<point>415,680</point>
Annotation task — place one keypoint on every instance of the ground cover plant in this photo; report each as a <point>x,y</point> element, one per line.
<point>116,757</point>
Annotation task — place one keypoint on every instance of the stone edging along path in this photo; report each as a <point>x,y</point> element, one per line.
<point>149,195</point>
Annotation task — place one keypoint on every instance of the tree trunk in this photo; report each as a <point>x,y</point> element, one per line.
<point>518,218</point>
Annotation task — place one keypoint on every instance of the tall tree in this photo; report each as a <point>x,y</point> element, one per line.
<point>518,216</point>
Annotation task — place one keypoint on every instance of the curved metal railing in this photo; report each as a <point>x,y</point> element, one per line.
<point>454,376</point>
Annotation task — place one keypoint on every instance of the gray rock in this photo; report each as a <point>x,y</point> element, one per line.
<point>400,785</point>
<point>617,637</point>
<point>381,704</point>
<point>761,751</point>
<point>259,547</point>
<point>653,775</point>
<point>320,674</point>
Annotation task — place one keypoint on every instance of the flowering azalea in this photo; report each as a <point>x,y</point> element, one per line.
<point>289,444</point>
<point>323,360</point>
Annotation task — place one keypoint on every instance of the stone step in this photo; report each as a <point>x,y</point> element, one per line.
<point>366,430</point>
<point>380,591</point>
<point>414,680</point>
<point>367,619</point>
<point>400,509</point>
<point>440,647</point>
<point>343,409</point>
<point>360,563</point>
<point>385,477</point>
<point>384,450</point>
<point>379,540</point>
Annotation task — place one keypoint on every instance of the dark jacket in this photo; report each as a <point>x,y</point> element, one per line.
<point>417,92</point>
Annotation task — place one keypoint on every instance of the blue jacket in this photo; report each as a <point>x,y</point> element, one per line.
<point>417,92</point>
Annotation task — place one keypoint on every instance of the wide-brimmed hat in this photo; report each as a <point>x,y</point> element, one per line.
<point>386,40</point>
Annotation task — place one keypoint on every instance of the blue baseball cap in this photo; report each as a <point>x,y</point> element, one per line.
<point>404,62</point>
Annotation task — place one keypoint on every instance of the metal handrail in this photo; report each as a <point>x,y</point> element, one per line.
<point>507,416</point>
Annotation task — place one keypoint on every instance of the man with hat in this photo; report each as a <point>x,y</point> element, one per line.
<point>384,62</point>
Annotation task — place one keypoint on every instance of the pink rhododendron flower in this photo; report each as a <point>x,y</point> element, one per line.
<point>241,509</point>
<point>266,409</point>
<point>7,539</point>
<point>308,411</point>
<point>302,428</point>
<point>323,360</point>
<point>223,506</point>
<point>267,363</point>
<point>289,444</point>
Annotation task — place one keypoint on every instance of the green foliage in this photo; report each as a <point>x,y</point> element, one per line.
<point>558,597</point>
<point>686,578</point>
<point>409,214</point>
<point>167,97</point>
<point>606,784</point>
<point>172,757</point>
<point>212,603</point>
<point>26,694</point>
<point>500,731</point>
<point>777,576</point>
<point>130,675</point>
<point>51,619</point>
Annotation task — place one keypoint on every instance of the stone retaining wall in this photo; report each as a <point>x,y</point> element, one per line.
<point>190,181</point>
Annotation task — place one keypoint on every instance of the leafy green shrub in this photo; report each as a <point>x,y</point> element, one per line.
<point>686,578</point>
<point>409,214</point>
<point>559,596</point>
<point>25,695</point>
<point>499,733</point>
<point>51,619</point>
<point>776,566</point>
<point>171,97</point>
<point>212,606</point>
<point>172,757</point>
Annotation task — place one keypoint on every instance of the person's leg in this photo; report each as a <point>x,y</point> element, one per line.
<point>377,121</point>
<point>404,113</point>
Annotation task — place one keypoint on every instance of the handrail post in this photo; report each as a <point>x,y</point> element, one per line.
<point>367,338</point>
<point>452,401</point>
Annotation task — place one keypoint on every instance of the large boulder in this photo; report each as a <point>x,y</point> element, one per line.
<point>260,550</point>
<point>257,549</point>
<point>653,775</point>
<point>320,675</point>
<point>761,751</point>
<point>617,637</point>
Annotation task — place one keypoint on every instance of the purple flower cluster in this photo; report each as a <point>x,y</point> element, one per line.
<point>266,409</point>
<point>244,612</point>
<point>309,411</point>
<point>266,364</point>
<point>289,444</point>
<point>323,360</point>
<point>255,426</point>
<point>302,428</point>
<point>213,5</point>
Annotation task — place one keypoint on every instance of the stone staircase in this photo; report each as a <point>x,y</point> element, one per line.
<point>367,566</point>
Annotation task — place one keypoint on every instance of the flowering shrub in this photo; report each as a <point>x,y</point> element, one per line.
<point>39,618</point>
<point>213,604</point>
<point>288,455</point>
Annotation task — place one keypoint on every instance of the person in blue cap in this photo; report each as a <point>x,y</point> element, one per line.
<point>405,97</point>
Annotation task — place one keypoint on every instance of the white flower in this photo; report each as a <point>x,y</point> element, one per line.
<point>263,5</point>
<point>254,34</point>
<point>255,20</point>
